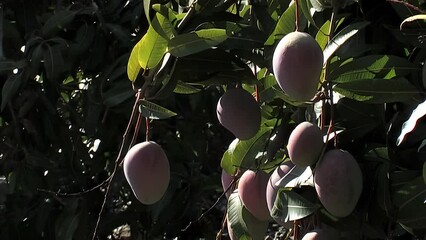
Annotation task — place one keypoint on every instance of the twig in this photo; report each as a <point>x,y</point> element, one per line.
<point>297,15</point>
<point>408,5</point>
<point>117,161</point>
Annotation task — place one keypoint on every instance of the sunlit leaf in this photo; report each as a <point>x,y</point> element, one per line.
<point>185,88</point>
<point>290,206</point>
<point>133,67</point>
<point>285,25</point>
<point>410,124</point>
<point>412,19</point>
<point>341,37</point>
<point>235,215</point>
<point>378,90</point>
<point>153,46</point>
<point>154,111</point>
<point>296,177</point>
<point>369,67</point>
<point>194,42</point>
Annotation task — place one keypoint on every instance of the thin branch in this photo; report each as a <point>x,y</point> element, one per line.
<point>408,5</point>
<point>117,161</point>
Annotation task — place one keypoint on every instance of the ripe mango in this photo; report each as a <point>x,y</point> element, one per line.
<point>252,192</point>
<point>321,234</point>
<point>297,64</point>
<point>338,182</point>
<point>238,111</point>
<point>147,171</point>
<point>305,144</point>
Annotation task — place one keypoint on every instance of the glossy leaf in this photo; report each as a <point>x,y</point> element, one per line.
<point>378,90</point>
<point>154,111</point>
<point>369,67</point>
<point>290,206</point>
<point>341,37</point>
<point>235,215</point>
<point>409,125</point>
<point>412,19</point>
<point>285,25</point>
<point>194,42</point>
<point>185,88</point>
<point>305,6</point>
<point>297,177</point>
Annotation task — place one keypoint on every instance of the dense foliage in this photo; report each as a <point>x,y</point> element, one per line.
<point>66,101</point>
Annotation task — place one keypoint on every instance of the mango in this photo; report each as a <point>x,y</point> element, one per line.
<point>321,234</point>
<point>238,111</point>
<point>252,192</point>
<point>305,144</point>
<point>338,182</point>
<point>297,64</point>
<point>147,171</point>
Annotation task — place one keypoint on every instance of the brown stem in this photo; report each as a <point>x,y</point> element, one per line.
<point>327,84</point>
<point>147,129</point>
<point>408,5</point>
<point>297,14</point>
<point>118,161</point>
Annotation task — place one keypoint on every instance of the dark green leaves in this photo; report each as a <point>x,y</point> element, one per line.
<point>10,88</point>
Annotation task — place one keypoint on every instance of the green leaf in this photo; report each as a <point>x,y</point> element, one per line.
<point>226,162</point>
<point>383,194</point>
<point>235,215</point>
<point>118,94</point>
<point>369,67</point>
<point>410,200</point>
<point>424,171</point>
<point>194,42</point>
<point>154,111</point>
<point>341,37</point>
<point>290,206</point>
<point>410,124</point>
<point>153,46</point>
<point>10,88</point>
<point>245,152</point>
<point>186,88</point>
<point>243,224</point>
<point>67,222</point>
<point>133,67</point>
<point>305,6</point>
<point>53,62</point>
<point>317,5</point>
<point>297,177</point>
<point>285,25</point>
<point>57,21</point>
<point>378,90</point>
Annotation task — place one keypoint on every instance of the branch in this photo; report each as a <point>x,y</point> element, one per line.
<point>408,5</point>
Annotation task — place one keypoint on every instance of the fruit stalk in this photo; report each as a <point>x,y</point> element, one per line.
<point>118,161</point>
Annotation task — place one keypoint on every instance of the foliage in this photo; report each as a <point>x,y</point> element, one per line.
<point>66,99</point>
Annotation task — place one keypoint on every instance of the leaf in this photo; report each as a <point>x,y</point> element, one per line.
<point>243,224</point>
<point>341,37</point>
<point>424,171</point>
<point>383,194</point>
<point>296,177</point>
<point>152,45</point>
<point>7,65</point>
<point>410,124</point>
<point>317,5</point>
<point>57,21</point>
<point>369,67</point>
<point>235,215</point>
<point>185,88</point>
<point>290,206</point>
<point>118,94</point>
<point>53,62</point>
<point>154,111</point>
<point>412,19</point>
<point>305,6</point>
<point>194,42</point>
<point>226,162</point>
<point>67,222</point>
<point>410,200</point>
<point>245,152</point>
<point>10,88</point>
<point>133,67</point>
<point>120,33</point>
<point>285,25</point>
<point>378,90</point>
